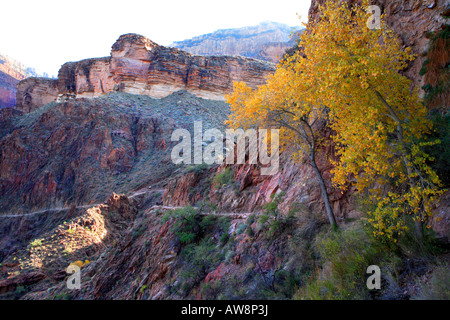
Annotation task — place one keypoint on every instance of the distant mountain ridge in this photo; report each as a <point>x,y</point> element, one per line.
<point>266,41</point>
<point>11,72</point>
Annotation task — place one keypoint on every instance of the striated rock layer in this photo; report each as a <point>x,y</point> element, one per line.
<point>139,66</point>
<point>266,41</point>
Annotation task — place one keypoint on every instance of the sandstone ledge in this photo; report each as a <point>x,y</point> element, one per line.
<point>137,65</point>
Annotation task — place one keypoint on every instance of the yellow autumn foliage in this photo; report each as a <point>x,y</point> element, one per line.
<point>351,74</point>
<point>80,263</point>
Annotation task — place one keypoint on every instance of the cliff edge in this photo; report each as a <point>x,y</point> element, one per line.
<point>137,65</point>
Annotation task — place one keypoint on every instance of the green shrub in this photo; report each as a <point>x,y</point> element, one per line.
<point>241,228</point>
<point>20,290</point>
<point>224,238</point>
<point>197,168</point>
<point>201,258</point>
<point>224,223</point>
<point>190,226</point>
<point>345,256</point>
<point>211,290</point>
<point>187,224</point>
<point>207,222</point>
<point>272,220</point>
<point>224,178</point>
<point>186,237</point>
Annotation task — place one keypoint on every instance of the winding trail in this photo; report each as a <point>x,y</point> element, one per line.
<point>233,215</point>
<point>87,206</point>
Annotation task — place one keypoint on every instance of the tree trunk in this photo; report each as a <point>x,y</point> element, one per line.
<point>324,192</point>
<point>418,228</point>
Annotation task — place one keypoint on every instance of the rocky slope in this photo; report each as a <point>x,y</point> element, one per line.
<point>267,41</point>
<point>65,237</point>
<point>135,252</point>
<point>139,66</point>
<point>82,150</point>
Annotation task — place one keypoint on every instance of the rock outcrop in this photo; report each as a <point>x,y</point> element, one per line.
<point>411,20</point>
<point>87,78</point>
<point>141,66</point>
<point>82,235</point>
<point>137,65</point>
<point>33,93</point>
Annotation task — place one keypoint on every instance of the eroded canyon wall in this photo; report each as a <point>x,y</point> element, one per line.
<point>138,65</point>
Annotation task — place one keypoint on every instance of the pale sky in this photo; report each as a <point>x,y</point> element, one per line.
<point>44,34</point>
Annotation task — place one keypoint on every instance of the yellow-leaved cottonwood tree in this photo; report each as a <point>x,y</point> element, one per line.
<point>283,103</point>
<point>352,72</point>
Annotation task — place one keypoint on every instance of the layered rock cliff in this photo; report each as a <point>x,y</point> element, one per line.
<point>267,41</point>
<point>139,66</point>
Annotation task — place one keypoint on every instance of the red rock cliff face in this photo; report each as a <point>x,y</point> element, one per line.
<point>411,20</point>
<point>86,78</point>
<point>93,77</point>
<point>33,93</point>
<point>139,66</point>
